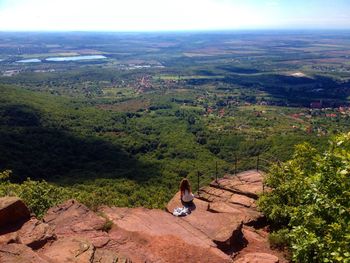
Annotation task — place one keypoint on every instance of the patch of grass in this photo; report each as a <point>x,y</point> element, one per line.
<point>107,226</point>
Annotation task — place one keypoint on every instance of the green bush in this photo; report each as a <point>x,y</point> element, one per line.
<point>39,196</point>
<point>279,239</point>
<point>310,201</point>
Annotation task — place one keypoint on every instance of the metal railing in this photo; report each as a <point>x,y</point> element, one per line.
<point>258,163</point>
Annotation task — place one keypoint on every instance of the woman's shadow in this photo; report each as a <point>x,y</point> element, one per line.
<point>191,205</point>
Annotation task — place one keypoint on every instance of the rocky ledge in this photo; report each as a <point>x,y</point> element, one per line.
<point>224,226</point>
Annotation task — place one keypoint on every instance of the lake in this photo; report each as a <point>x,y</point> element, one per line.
<point>32,60</point>
<point>75,58</point>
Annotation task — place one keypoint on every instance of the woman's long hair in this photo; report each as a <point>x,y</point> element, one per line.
<point>185,185</point>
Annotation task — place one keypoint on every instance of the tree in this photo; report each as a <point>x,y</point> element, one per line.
<point>310,202</point>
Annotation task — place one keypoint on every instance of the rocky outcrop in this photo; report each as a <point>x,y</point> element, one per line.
<point>158,236</point>
<point>233,198</point>
<point>258,249</point>
<point>17,226</point>
<point>18,253</point>
<point>224,226</point>
<point>72,219</point>
<point>69,232</point>
<point>248,183</point>
<point>35,233</point>
<point>258,258</point>
<point>69,249</point>
<point>12,210</point>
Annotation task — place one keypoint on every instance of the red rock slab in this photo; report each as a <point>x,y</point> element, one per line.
<point>72,216</point>
<point>212,194</point>
<point>155,222</point>
<point>157,236</point>
<point>208,197</point>
<point>258,248</point>
<point>223,207</point>
<point>142,247</point>
<point>181,252</point>
<point>246,215</point>
<point>257,240</point>
<point>249,183</point>
<point>74,219</point>
<point>35,234</point>
<point>176,202</point>
<point>251,176</point>
<point>221,228</point>
<point>258,258</point>
<point>242,200</point>
<point>215,194</point>
<point>12,211</point>
<point>18,253</point>
<point>69,250</point>
<point>32,233</point>
<point>107,256</point>
<point>9,236</point>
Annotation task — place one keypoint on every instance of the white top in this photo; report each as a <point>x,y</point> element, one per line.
<point>187,197</point>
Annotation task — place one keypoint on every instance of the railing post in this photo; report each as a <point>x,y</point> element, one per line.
<point>198,182</point>
<point>216,171</point>
<point>257,163</point>
<point>235,172</point>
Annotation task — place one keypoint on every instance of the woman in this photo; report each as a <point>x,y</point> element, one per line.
<point>186,193</point>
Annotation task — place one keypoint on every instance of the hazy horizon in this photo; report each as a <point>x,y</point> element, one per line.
<point>194,31</point>
<point>171,16</point>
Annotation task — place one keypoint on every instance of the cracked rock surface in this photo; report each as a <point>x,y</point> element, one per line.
<point>224,226</point>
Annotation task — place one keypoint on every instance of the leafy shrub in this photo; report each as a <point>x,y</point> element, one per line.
<point>311,201</point>
<point>5,175</point>
<point>39,196</point>
<point>279,239</point>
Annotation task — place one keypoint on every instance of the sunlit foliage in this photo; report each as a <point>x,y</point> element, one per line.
<point>310,202</point>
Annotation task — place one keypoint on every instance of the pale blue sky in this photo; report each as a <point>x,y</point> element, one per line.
<point>153,15</point>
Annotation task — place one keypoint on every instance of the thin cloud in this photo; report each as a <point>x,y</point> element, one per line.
<point>141,15</point>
